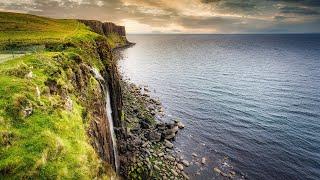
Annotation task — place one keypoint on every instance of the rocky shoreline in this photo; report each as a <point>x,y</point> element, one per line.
<point>148,151</point>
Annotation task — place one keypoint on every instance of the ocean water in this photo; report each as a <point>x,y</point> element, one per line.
<point>249,102</point>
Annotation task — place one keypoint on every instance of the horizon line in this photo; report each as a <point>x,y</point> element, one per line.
<point>262,33</point>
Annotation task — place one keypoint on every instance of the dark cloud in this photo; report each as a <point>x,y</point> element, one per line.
<point>298,10</point>
<point>233,6</point>
<point>311,3</point>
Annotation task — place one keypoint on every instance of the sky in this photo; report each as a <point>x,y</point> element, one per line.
<point>184,16</point>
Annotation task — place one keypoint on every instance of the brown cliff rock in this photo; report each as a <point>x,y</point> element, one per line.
<point>104,28</point>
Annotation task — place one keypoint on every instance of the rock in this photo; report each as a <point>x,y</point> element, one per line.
<point>161,154</point>
<point>217,170</point>
<point>185,163</point>
<point>156,167</point>
<point>170,136</point>
<point>170,158</point>
<point>172,130</point>
<point>153,136</point>
<point>194,155</point>
<point>105,28</point>
<point>168,144</point>
<point>180,167</point>
<point>144,125</point>
<point>185,175</point>
<point>180,125</point>
<point>161,126</point>
<point>147,151</point>
<point>27,111</point>
<point>130,147</point>
<point>203,160</point>
<point>145,144</point>
<point>68,104</point>
<point>168,150</point>
<point>29,75</point>
<point>146,89</point>
<point>174,172</point>
<point>146,95</point>
<point>232,174</point>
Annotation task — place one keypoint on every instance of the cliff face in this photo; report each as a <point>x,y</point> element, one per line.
<point>100,128</point>
<point>56,103</point>
<point>104,28</point>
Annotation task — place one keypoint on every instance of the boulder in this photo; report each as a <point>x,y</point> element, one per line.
<point>168,144</point>
<point>185,163</point>
<point>180,167</point>
<point>156,167</point>
<point>174,172</point>
<point>170,136</point>
<point>153,136</point>
<point>180,125</point>
<point>170,158</point>
<point>203,160</point>
<point>172,130</point>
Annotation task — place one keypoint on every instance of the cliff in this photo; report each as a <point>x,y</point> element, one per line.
<point>65,113</point>
<point>104,28</point>
<point>60,97</point>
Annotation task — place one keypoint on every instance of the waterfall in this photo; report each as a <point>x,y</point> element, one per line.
<point>113,137</point>
<point>104,86</point>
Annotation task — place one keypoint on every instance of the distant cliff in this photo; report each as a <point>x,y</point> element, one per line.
<point>104,28</point>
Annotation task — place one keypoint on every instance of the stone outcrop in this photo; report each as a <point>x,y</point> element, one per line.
<point>104,28</point>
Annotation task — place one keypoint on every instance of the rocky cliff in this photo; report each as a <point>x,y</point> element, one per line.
<point>61,105</point>
<point>105,28</point>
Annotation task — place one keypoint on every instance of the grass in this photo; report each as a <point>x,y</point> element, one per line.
<point>114,40</point>
<point>22,29</point>
<point>40,137</point>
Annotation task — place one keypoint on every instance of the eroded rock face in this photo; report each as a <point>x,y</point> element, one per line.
<point>104,28</point>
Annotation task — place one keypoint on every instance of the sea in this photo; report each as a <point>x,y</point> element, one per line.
<point>250,102</point>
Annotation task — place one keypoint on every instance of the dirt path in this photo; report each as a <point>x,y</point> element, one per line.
<point>6,57</point>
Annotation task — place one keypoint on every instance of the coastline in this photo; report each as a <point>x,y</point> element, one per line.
<point>151,153</point>
<point>148,150</point>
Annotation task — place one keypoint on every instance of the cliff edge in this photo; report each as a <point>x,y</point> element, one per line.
<point>60,98</point>
<point>105,28</point>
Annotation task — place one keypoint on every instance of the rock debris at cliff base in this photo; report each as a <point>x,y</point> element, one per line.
<point>148,151</point>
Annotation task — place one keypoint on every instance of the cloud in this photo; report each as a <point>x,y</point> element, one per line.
<point>298,10</point>
<point>184,16</point>
<point>310,3</point>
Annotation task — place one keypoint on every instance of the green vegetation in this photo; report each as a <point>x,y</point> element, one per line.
<point>114,40</point>
<point>45,98</point>
<point>18,30</point>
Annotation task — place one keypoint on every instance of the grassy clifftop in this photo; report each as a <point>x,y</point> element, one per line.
<point>46,97</point>
<point>29,29</point>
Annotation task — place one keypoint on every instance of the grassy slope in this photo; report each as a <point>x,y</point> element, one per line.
<point>52,141</point>
<point>27,29</point>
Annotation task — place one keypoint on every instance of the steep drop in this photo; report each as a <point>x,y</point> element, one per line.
<point>105,89</point>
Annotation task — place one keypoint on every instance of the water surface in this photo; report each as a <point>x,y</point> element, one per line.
<point>254,99</point>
